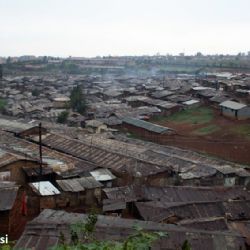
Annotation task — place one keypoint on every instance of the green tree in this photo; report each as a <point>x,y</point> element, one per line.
<point>62,118</point>
<point>35,92</point>
<point>8,61</point>
<point>70,68</point>
<point>186,245</point>
<point>82,238</point>
<point>2,105</point>
<point>77,100</point>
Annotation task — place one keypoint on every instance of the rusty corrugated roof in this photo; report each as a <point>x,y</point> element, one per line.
<point>176,193</point>
<point>159,210</point>
<point>45,230</point>
<point>28,150</point>
<point>79,184</point>
<point>103,158</point>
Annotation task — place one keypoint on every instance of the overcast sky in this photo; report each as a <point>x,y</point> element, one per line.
<point>123,27</point>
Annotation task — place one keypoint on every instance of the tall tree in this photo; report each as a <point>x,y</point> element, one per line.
<point>77,100</point>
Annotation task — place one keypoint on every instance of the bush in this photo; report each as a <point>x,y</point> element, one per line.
<point>62,118</point>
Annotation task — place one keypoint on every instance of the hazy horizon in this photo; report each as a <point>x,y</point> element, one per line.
<point>90,28</point>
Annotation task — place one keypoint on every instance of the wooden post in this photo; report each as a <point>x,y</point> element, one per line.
<point>40,151</point>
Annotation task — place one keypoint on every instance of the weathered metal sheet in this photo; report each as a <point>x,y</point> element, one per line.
<point>176,193</point>
<point>44,188</point>
<point>113,205</point>
<point>102,174</point>
<point>146,125</point>
<point>44,232</point>
<point>8,194</point>
<point>78,184</point>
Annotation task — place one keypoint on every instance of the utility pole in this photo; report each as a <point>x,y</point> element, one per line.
<point>1,73</point>
<point>40,151</point>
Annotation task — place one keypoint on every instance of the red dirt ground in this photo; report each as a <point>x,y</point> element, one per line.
<point>223,143</point>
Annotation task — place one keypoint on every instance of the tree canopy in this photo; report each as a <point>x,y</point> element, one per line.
<point>3,103</point>
<point>83,237</point>
<point>62,118</point>
<point>77,100</point>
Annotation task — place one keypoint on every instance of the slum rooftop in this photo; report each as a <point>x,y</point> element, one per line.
<point>44,232</point>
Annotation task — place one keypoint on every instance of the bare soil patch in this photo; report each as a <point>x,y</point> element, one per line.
<point>217,135</point>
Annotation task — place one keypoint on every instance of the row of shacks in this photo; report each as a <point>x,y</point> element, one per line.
<point>78,176</point>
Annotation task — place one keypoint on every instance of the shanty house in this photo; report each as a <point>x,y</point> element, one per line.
<point>172,212</point>
<point>61,102</point>
<point>124,200</point>
<point>80,191</point>
<point>12,209</point>
<point>43,195</point>
<point>143,128</point>
<point>104,176</point>
<point>95,126</point>
<point>45,230</point>
<point>14,164</point>
<point>235,110</point>
<point>191,103</point>
<point>216,100</point>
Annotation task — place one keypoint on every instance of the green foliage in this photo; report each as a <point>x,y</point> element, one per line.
<point>70,68</point>
<point>186,246</point>
<point>2,104</point>
<point>5,247</point>
<point>84,230</point>
<point>62,118</point>
<point>198,115</point>
<point>207,130</point>
<point>35,92</point>
<point>82,238</point>
<point>77,100</point>
<point>243,130</point>
<point>159,118</point>
<point>141,240</point>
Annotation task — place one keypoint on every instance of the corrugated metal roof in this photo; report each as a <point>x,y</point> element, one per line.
<point>211,224</point>
<point>103,158</point>
<point>44,232</point>
<point>44,188</point>
<point>159,210</point>
<point>93,123</point>
<point>102,174</point>
<point>14,125</point>
<point>113,205</point>
<point>176,193</point>
<point>60,162</point>
<point>8,193</point>
<point>146,125</point>
<point>232,105</point>
<point>8,156</point>
<point>78,184</point>
<point>190,102</point>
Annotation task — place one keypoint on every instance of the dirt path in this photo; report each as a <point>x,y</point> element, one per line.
<point>224,142</point>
